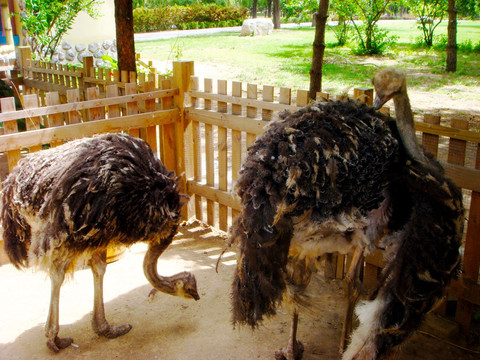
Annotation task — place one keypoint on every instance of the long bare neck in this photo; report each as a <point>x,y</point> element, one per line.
<point>164,284</point>
<point>405,124</point>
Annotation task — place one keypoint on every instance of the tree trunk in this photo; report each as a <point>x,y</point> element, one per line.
<point>254,9</point>
<point>125,41</point>
<point>276,14</point>
<point>318,49</point>
<point>269,9</point>
<point>452,37</point>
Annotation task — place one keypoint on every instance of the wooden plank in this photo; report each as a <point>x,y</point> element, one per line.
<point>430,141</point>
<point>285,96</point>
<point>169,157</point>
<point>322,96</point>
<point>112,109</point>
<point>49,110</point>
<point>302,97</point>
<point>448,132</point>
<point>237,93</point>
<point>73,116</point>
<point>214,195</point>
<point>209,157</point>
<point>245,101</point>
<point>364,95</point>
<point>132,107</point>
<point>252,111</point>
<point>208,88</point>
<point>268,96</point>
<point>54,120</point>
<point>95,113</point>
<point>466,178</point>
<point>33,123</point>
<point>222,90</point>
<point>234,122</point>
<point>471,260</point>
<point>197,166</point>
<point>236,139</point>
<point>75,131</point>
<point>457,148</point>
<point>222,158</point>
<point>10,127</point>
<point>151,131</point>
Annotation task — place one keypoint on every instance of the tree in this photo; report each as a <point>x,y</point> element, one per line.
<point>451,65</point>
<point>318,49</point>
<point>364,15</point>
<point>47,21</point>
<point>276,14</point>
<point>429,14</point>
<point>125,39</point>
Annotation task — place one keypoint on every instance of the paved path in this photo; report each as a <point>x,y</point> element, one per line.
<point>196,32</point>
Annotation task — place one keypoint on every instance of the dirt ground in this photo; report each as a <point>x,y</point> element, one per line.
<point>173,328</point>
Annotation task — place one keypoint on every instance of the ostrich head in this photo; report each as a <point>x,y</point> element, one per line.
<point>185,285</point>
<point>388,83</point>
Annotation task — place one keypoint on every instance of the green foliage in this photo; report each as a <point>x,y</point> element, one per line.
<point>379,43</point>
<point>429,14</point>
<point>47,21</point>
<point>364,15</point>
<point>300,10</point>
<point>187,17</point>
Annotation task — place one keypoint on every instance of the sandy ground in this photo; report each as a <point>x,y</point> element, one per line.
<point>173,328</point>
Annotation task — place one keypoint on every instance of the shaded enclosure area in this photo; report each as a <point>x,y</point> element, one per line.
<point>168,327</point>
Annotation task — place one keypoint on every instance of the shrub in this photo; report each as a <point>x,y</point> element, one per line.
<point>187,17</point>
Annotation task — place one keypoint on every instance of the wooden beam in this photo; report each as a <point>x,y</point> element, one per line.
<point>214,194</point>
<point>74,131</point>
<point>48,110</point>
<point>233,122</point>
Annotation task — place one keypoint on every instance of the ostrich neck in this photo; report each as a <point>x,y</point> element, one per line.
<point>405,124</point>
<point>162,283</point>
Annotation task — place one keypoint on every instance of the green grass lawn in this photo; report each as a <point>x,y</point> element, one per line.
<point>284,57</point>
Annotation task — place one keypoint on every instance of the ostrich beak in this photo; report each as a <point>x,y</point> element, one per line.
<point>378,102</point>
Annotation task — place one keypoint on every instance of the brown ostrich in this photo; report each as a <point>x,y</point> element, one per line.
<point>63,206</point>
<point>330,178</point>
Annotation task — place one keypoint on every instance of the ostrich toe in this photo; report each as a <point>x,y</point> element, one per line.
<point>111,332</point>
<point>291,352</point>
<point>58,344</point>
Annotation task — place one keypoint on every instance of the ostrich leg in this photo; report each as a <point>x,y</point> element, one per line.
<point>352,292</point>
<point>54,343</point>
<point>294,349</point>
<point>98,263</point>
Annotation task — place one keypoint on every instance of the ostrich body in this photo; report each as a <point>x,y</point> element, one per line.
<point>64,206</point>
<point>330,178</point>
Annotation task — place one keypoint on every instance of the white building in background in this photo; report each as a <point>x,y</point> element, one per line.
<point>87,30</point>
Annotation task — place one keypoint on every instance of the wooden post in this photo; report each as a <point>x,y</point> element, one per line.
<point>237,137</point>
<point>430,141</point>
<point>23,53</point>
<point>364,95</point>
<point>182,72</point>
<point>10,127</point>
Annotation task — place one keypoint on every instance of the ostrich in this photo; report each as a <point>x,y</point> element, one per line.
<point>63,206</point>
<point>331,178</point>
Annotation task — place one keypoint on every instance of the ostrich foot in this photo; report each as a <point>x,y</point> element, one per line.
<point>58,344</point>
<point>111,332</point>
<point>291,352</point>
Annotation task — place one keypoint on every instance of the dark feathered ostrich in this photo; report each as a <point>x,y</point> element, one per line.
<point>330,178</point>
<point>65,205</point>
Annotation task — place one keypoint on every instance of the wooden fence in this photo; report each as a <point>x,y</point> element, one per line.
<point>224,122</point>
<point>207,140</point>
